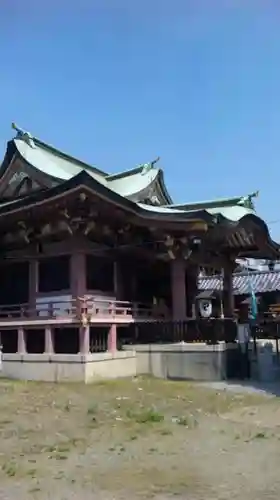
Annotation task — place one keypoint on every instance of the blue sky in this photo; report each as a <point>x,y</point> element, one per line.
<point>117,83</point>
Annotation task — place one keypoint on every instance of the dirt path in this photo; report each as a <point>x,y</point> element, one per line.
<point>137,439</point>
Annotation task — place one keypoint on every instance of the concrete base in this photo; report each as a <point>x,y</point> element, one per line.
<point>182,361</point>
<point>69,368</point>
<point>203,362</point>
<point>199,362</point>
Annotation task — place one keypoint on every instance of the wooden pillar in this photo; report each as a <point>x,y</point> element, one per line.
<point>78,274</point>
<point>133,282</point>
<point>178,289</point>
<point>118,281</point>
<point>78,279</point>
<point>33,284</point>
<point>84,338</point>
<point>21,349</point>
<point>228,296</point>
<point>192,289</point>
<point>49,340</point>
<point>112,338</point>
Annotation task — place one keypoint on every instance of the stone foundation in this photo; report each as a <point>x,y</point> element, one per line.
<point>183,361</point>
<point>69,367</point>
<point>199,362</point>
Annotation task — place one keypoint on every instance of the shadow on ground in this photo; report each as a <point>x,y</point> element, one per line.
<point>246,386</point>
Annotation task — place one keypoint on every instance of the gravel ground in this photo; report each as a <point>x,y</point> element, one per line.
<point>140,438</point>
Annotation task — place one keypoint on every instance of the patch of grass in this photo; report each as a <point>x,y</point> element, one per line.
<point>133,437</point>
<point>10,469</point>
<point>32,472</point>
<point>92,409</point>
<point>59,475</point>
<point>58,448</point>
<point>59,456</point>
<point>260,435</point>
<point>145,416</point>
<point>166,432</point>
<point>153,450</point>
<point>189,422</point>
<point>36,489</point>
<point>5,422</point>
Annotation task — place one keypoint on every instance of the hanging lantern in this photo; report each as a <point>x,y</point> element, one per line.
<point>271,265</point>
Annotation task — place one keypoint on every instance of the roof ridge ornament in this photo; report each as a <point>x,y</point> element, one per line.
<point>24,135</point>
<point>146,167</point>
<point>247,201</point>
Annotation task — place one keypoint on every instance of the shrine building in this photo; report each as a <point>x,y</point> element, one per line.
<point>85,253</point>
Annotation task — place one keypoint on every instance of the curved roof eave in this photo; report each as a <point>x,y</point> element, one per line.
<point>236,216</point>
<point>135,182</point>
<point>221,203</point>
<point>131,185</point>
<point>249,219</point>
<point>9,154</point>
<point>68,158</point>
<point>124,173</point>
<point>83,179</point>
<point>53,165</point>
<point>163,188</point>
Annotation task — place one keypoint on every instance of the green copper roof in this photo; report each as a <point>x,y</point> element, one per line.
<point>136,184</point>
<point>59,163</point>
<point>58,167</point>
<point>140,183</point>
<point>239,201</point>
<point>232,209</point>
<point>132,191</point>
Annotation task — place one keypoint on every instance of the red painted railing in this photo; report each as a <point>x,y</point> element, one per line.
<point>84,309</point>
<point>106,307</point>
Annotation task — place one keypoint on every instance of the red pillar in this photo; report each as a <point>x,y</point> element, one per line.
<point>84,338</point>
<point>112,339</point>
<point>178,289</point>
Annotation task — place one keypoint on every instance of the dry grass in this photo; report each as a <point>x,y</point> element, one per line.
<point>132,438</point>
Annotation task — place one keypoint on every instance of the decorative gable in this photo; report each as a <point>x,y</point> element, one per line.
<point>21,179</point>
<point>20,184</point>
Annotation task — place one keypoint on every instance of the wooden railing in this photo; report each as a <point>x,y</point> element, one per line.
<point>85,309</point>
<point>43,310</point>
<point>190,330</point>
<point>93,307</point>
